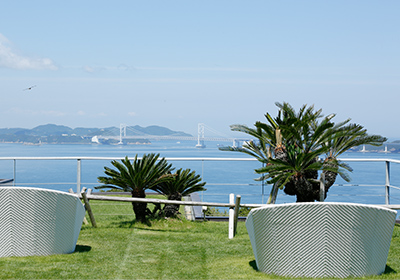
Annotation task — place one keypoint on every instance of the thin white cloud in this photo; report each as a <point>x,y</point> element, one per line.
<point>125,67</point>
<point>92,69</point>
<point>53,113</point>
<point>9,58</point>
<point>216,69</point>
<point>21,111</point>
<point>88,69</point>
<point>132,114</point>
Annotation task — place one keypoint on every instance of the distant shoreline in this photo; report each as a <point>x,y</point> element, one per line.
<point>73,143</point>
<point>391,148</point>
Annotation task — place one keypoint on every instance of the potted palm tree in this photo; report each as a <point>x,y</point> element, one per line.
<point>182,183</point>
<point>300,150</point>
<point>136,177</point>
<point>297,147</point>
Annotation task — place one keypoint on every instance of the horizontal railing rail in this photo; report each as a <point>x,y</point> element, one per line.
<point>387,184</point>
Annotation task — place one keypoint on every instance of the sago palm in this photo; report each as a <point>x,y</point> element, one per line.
<point>136,177</point>
<point>341,140</point>
<point>182,183</point>
<point>299,141</point>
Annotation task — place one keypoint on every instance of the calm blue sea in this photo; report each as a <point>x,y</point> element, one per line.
<point>222,177</point>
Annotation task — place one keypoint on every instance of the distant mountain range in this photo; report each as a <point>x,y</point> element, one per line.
<point>60,134</point>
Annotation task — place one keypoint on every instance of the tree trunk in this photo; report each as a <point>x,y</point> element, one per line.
<point>330,175</point>
<point>171,210</point>
<point>290,188</point>
<point>273,194</point>
<point>304,189</point>
<point>330,178</point>
<point>139,208</point>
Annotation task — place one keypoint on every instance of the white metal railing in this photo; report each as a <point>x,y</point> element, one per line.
<point>79,170</point>
<point>387,173</point>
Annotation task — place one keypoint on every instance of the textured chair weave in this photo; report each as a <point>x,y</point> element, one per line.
<point>321,239</point>
<point>36,221</point>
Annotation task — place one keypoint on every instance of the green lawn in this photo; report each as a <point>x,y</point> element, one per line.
<point>166,249</point>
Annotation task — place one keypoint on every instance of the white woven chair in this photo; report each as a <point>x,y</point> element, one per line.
<point>36,221</point>
<point>321,239</point>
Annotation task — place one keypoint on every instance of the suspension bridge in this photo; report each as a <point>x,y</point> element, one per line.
<point>136,134</point>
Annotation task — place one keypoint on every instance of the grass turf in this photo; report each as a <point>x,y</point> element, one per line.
<point>165,249</point>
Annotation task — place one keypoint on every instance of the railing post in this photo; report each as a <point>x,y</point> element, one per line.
<point>14,172</point>
<point>88,208</point>
<point>202,178</point>
<point>262,187</point>
<point>322,188</point>
<point>387,183</point>
<point>236,214</point>
<point>231,216</point>
<point>79,173</point>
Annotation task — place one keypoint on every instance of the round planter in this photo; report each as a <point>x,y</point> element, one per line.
<point>321,239</point>
<point>36,221</point>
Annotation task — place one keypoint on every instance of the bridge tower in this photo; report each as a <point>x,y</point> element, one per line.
<point>122,132</point>
<point>200,136</point>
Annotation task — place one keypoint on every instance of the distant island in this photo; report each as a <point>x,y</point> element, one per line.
<point>60,134</point>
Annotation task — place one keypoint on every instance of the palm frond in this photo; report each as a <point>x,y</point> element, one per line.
<point>140,174</point>
<point>183,182</point>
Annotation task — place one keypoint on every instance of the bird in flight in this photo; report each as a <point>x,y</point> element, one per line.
<point>29,88</point>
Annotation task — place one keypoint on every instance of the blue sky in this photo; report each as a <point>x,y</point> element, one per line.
<point>180,63</point>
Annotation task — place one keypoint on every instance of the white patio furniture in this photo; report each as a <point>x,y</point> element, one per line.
<point>36,221</point>
<point>321,239</point>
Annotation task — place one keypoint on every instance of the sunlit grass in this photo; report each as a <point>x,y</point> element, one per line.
<point>165,249</point>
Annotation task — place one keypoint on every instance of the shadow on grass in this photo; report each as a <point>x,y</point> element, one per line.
<point>130,224</point>
<point>141,226</point>
<point>161,230</point>
<point>389,270</point>
<point>82,249</point>
<point>253,264</point>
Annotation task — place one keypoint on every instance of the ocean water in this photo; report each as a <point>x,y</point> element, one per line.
<point>222,177</point>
